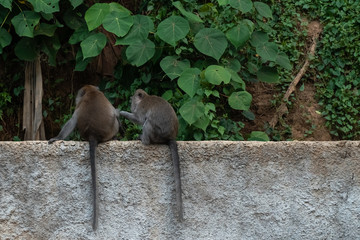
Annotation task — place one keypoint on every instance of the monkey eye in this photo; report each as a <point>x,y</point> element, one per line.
<point>140,94</point>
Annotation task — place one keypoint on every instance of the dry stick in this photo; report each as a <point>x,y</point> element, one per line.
<point>283,108</point>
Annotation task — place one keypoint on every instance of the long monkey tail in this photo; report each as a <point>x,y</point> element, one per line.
<point>93,144</point>
<point>176,165</point>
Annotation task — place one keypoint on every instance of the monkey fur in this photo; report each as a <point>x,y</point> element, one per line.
<point>159,125</point>
<point>97,121</point>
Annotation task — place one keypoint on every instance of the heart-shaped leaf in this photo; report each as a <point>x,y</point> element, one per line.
<point>139,31</point>
<point>240,100</point>
<point>216,75</point>
<point>211,42</point>
<point>140,52</point>
<point>46,6</point>
<point>192,110</point>
<point>189,81</point>
<point>95,15</point>
<point>283,60</point>
<point>173,67</point>
<point>5,38</point>
<point>239,35</point>
<point>202,123</point>
<point>173,29</point>
<point>118,23</point>
<point>79,35</point>
<point>259,38</point>
<point>268,51</point>
<point>25,49</point>
<point>243,5</point>
<point>93,45</point>
<point>25,22</point>
<point>263,9</point>
<point>268,74</point>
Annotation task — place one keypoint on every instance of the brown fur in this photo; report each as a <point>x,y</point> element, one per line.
<point>97,122</point>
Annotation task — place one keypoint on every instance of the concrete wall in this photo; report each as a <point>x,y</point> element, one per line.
<point>231,190</point>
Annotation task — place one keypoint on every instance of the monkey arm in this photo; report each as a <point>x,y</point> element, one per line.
<point>67,129</point>
<point>132,117</point>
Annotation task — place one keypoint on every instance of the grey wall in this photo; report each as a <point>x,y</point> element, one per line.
<point>231,190</point>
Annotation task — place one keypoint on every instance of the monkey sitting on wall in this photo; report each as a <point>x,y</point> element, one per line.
<point>159,125</point>
<point>97,121</point>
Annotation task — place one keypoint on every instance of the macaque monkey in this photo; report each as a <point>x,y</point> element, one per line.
<point>97,121</point>
<point>159,125</point>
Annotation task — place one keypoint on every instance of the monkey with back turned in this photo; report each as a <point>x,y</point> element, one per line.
<point>159,125</point>
<point>97,121</point>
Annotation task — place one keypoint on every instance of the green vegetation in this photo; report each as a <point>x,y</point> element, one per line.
<point>198,55</point>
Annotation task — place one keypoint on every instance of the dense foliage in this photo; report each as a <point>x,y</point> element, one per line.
<point>336,68</point>
<point>199,55</point>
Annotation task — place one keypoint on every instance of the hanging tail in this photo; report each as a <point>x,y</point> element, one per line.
<point>176,165</point>
<point>93,144</point>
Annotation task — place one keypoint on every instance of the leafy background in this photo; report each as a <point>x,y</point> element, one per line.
<point>223,65</point>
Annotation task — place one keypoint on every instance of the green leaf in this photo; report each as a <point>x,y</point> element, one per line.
<point>73,20</point>
<point>268,51</point>
<point>192,111</point>
<point>173,29</point>
<point>79,35</point>
<point>139,31</point>
<point>283,60</point>
<point>243,5</point>
<point>5,38</point>
<point>46,6</point>
<point>116,7</point>
<point>258,136</point>
<point>81,63</point>
<point>95,15</point>
<point>140,52</point>
<point>189,81</point>
<point>76,3</point>
<point>167,95</point>
<point>263,9</point>
<point>93,45</point>
<point>202,123</point>
<point>236,78</point>
<point>6,3</point>
<point>259,38</point>
<point>173,67</point>
<point>46,29</point>
<point>233,64</point>
<point>249,115</point>
<point>190,16</point>
<point>26,50</point>
<point>118,23</point>
<point>239,35</point>
<point>240,100</point>
<point>223,2</point>
<point>268,74</point>
<point>211,42</point>
<point>216,74</point>
<point>25,22</point>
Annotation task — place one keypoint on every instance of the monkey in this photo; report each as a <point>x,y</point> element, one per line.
<point>160,126</point>
<point>97,121</point>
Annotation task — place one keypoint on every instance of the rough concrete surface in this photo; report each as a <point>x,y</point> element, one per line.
<point>231,190</point>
